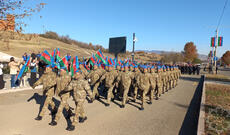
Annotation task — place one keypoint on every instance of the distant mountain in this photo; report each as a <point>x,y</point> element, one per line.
<point>200,56</point>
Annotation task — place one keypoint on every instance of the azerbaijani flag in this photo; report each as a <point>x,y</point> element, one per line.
<point>100,56</point>
<point>220,41</point>
<point>74,65</point>
<point>213,41</point>
<point>24,68</point>
<point>62,62</point>
<point>92,60</point>
<point>46,57</point>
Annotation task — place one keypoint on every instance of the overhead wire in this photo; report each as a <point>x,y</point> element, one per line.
<point>221,16</point>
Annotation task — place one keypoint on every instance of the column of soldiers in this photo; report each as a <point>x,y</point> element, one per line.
<point>189,69</point>
<point>117,81</point>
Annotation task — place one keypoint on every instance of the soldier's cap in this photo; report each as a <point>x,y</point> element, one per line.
<point>136,66</point>
<point>152,67</point>
<point>48,66</point>
<point>159,67</point>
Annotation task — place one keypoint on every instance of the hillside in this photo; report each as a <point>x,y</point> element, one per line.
<point>202,57</point>
<point>18,45</point>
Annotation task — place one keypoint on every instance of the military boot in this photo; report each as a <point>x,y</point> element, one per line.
<point>53,123</point>
<point>38,118</point>
<point>70,128</point>
<point>81,120</point>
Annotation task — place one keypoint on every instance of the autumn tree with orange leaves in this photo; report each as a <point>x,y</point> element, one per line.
<point>190,52</point>
<point>226,57</point>
<point>19,9</point>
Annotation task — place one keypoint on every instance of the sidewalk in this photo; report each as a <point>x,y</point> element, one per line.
<point>18,89</point>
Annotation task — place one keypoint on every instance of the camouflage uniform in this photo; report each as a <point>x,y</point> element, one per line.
<point>80,87</point>
<point>137,72</point>
<point>109,78</point>
<point>48,79</point>
<point>172,78</point>
<point>143,83</point>
<point>159,84</point>
<point>152,84</point>
<point>164,81</point>
<point>94,80</point>
<point>62,83</point>
<point>125,78</point>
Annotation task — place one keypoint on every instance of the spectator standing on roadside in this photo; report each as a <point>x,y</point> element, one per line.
<point>24,56</point>
<point>24,77</point>
<point>193,69</point>
<point>216,69</point>
<point>33,72</point>
<point>1,77</point>
<point>13,71</point>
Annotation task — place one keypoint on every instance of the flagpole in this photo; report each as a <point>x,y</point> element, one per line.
<point>216,47</point>
<point>133,46</point>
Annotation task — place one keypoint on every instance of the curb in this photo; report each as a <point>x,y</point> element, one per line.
<point>201,122</point>
<point>18,90</point>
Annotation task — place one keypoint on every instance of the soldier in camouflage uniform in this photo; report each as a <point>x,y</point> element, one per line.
<point>62,82</point>
<point>159,82</point>
<point>164,80</point>
<point>80,88</point>
<point>168,78</point>
<point>110,78</point>
<point>94,79</point>
<point>137,72</point>
<point>152,83</point>
<point>48,79</point>
<point>143,83</point>
<point>125,79</point>
<point>171,77</point>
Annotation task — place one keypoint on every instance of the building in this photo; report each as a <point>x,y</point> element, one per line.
<point>8,24</point>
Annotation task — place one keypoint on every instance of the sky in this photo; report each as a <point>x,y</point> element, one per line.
<point>158,24</point>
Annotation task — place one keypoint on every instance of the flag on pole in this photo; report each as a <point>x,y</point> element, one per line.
<point>220,41</point>
<point>74,65</point>
<point>212,42</point>
<point>46,57</point>
<point>100,56</point>
<point>24,68</point>
<point>92,60</point>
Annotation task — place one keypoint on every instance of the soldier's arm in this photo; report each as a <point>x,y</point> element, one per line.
<point>69,87</point>
<point>88,89</point>
<point>102,78</point>
<point>38,82</point>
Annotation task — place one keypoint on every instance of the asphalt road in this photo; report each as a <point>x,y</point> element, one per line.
<point>163,117</point>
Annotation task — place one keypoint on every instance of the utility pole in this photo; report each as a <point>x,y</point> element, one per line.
<point>133,46</point>
<point>215,59</point>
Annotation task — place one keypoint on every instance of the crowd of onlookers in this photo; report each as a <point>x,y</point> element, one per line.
<point>36,67</point>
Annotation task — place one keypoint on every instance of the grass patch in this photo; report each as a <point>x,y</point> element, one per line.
<point>217,109</point>
<point>217,77</point>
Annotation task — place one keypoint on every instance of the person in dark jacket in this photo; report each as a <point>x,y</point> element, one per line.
<point>193,69</point>
<point>41,67</point>
<point>198,70</point>
<point>33,72</point>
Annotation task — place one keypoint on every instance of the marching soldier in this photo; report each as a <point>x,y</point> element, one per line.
<point>143,84</point>
<point>152,83</point>
<point>94,80</point>
<point>159,82</point>
<point>109,78</point>
<point>125,78</point>
<point>62,82</point>
<point>80,88</point>
<point>48,80</point>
